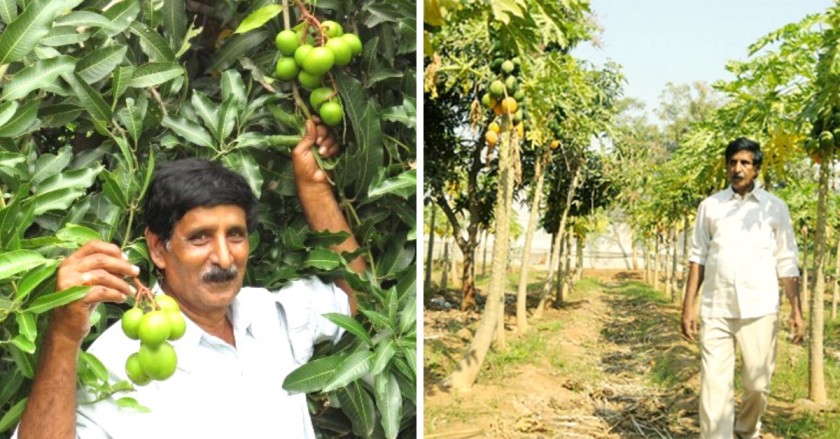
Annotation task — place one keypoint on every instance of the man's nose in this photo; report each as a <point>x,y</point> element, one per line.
<point>221,256</point>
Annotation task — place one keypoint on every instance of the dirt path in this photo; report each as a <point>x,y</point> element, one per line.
<point>609,364</point>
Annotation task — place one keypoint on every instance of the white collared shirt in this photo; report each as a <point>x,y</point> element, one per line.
<point>221,391</point>
<point>745,244</point>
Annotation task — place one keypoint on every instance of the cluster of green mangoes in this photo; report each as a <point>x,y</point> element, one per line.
<point>504,97</point>
<point>153,325</point>
<point>302,60</point>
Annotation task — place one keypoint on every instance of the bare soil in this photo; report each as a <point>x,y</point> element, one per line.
<point>612,365</point>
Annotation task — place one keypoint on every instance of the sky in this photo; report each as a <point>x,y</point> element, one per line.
<point>682,41</point>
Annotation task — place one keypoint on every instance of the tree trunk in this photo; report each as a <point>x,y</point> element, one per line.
<point>684,277</point>
<point>669,292</point>
<point>805,296</point>
<point>648,280</point>
<point>522,290</point>
<point>429,258</point>
<point>579,253</point>
<point>555,252</point>
<point>444,269</point>
<point>566,284</point>
<point>656,252</point>
<point>453,267</point>
<point>467,369</point>
<point>675,291</point>
<point>484,256</point>
<point>634,250</point>
<point>816,374</point>
<point>835,291</point>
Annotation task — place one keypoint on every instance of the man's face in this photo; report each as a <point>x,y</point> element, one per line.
<point>205,259</point>
<point>741,171</point>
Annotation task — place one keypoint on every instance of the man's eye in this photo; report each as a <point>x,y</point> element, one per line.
<point>197,238</point>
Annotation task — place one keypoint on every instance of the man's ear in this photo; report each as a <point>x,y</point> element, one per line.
<point>156,248</point>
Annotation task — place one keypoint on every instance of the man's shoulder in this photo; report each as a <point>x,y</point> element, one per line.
<point>772,198</point>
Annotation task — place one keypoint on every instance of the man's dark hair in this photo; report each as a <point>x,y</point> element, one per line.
<point>181,185</point>
<point>744,144</point>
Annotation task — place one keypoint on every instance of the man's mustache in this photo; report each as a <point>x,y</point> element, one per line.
<point>218,274</point>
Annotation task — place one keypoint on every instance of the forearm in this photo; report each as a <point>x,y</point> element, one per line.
<point>696,272</point>
<point>791,286</point>
<point>51,409</point>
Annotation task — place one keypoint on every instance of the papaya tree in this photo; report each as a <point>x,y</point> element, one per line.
<point>95,93</point>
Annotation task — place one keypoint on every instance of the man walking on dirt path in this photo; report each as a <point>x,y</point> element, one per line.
<point>743,243</point>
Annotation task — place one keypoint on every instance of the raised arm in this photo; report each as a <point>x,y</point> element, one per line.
<point>51,409</point>
<point>320,205</point>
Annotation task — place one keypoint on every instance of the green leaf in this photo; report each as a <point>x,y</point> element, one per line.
<point>326,238</point>
<point>38,75</point>
<point>153,44</point>
<point>389,402</point>
<point>48,165</point>
<point>121,15</point>
<point>258,18</point>
<point>153,74</point>
<point>384,352</point>
<point>24,33</point>
<point>410,355</point>
<point>227,118</point>
<point>232,85</point>
<point>14,262</point>
<point>9,385</point>
<point>64,36</point>
<point>174,22</point>
<point>60,199</point>
<point>207,111</point>
<point>11,418</point>
<point>113,192</point>
<point>121,78</point>
<point>7,110</point>
<point>34,278</point>
<point>132,115</point>
<point>312,376</point>
<point>236,46</point>
<point>77,235</point>
<point>91,100</point>
<point>94,365</point>
<point>405,114</point>
<point>189,131</point>
<point>99,63</point>
<point>131,403</point>
<point>246,165</point>
<point>352,368</point>
<point>358,405</point>
<point>351,325</point>
<point>23,344</point>
<point>323,259</point>
<point>379,320</point>
<point>86,19</point>
<point>403,186</point>
<point>60,298</point>
<point>408,316</point>
<point>23,119</point>
<point>8,12</point>
<point>26,325</point>
<point>362,113</point>
<point>77,179</point>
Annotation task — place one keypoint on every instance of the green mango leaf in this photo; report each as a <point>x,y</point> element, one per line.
<point>58,115</point>
<point>8,12</point>
<point>59,199</point>
<point>99,63</point>
<point>48,165</point>
<point>121,15</point>
<point>23,120</point>
<point>113,191</point>
<point>232,85</point>
<point>258,18</point>
<point>34,277</point>
<point>27,326</point>
<point>54,300</point>
<point>410,355</point>
<point>94,365</point>
<point>7,110</point>
<point>132,115</point>
<point>326,238</point>
<point>153,74</point>
<point>14,262</point>
<point>358,405</point>
<point>351,325</point>
<point>352,368</point>
<point>385,350</point>
<point>77,235</point>
<point>361,112</point>
<point>131,403</point>
<point>408,316</point>
<point>397,257</point>
<point>87,19</point>
<point>247,166</point>
<point>379,320</point>
<point>207,111</point>
<point>389,402</point>
<point>23,344</point>
<point>77,179</point>
<point>24,33</point>
<point>9,385</point>
<point>91,100</point>
<point>405,114</point>
<point>403,186</point>
<point>11,418</point>
<point>174,22</point>
<point>153,44</point>
<point>312,376</point>
<point>228,113</point>
<point>64,36</point>
<point>323,259</point>
<point>36,76</point>
<point>189,131</point>
<point>120,81</point>
<point>236,46</point>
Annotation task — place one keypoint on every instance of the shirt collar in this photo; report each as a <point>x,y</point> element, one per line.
<point>757,192</point>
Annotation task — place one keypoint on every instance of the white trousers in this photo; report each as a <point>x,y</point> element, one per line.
<point>756,339</point>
